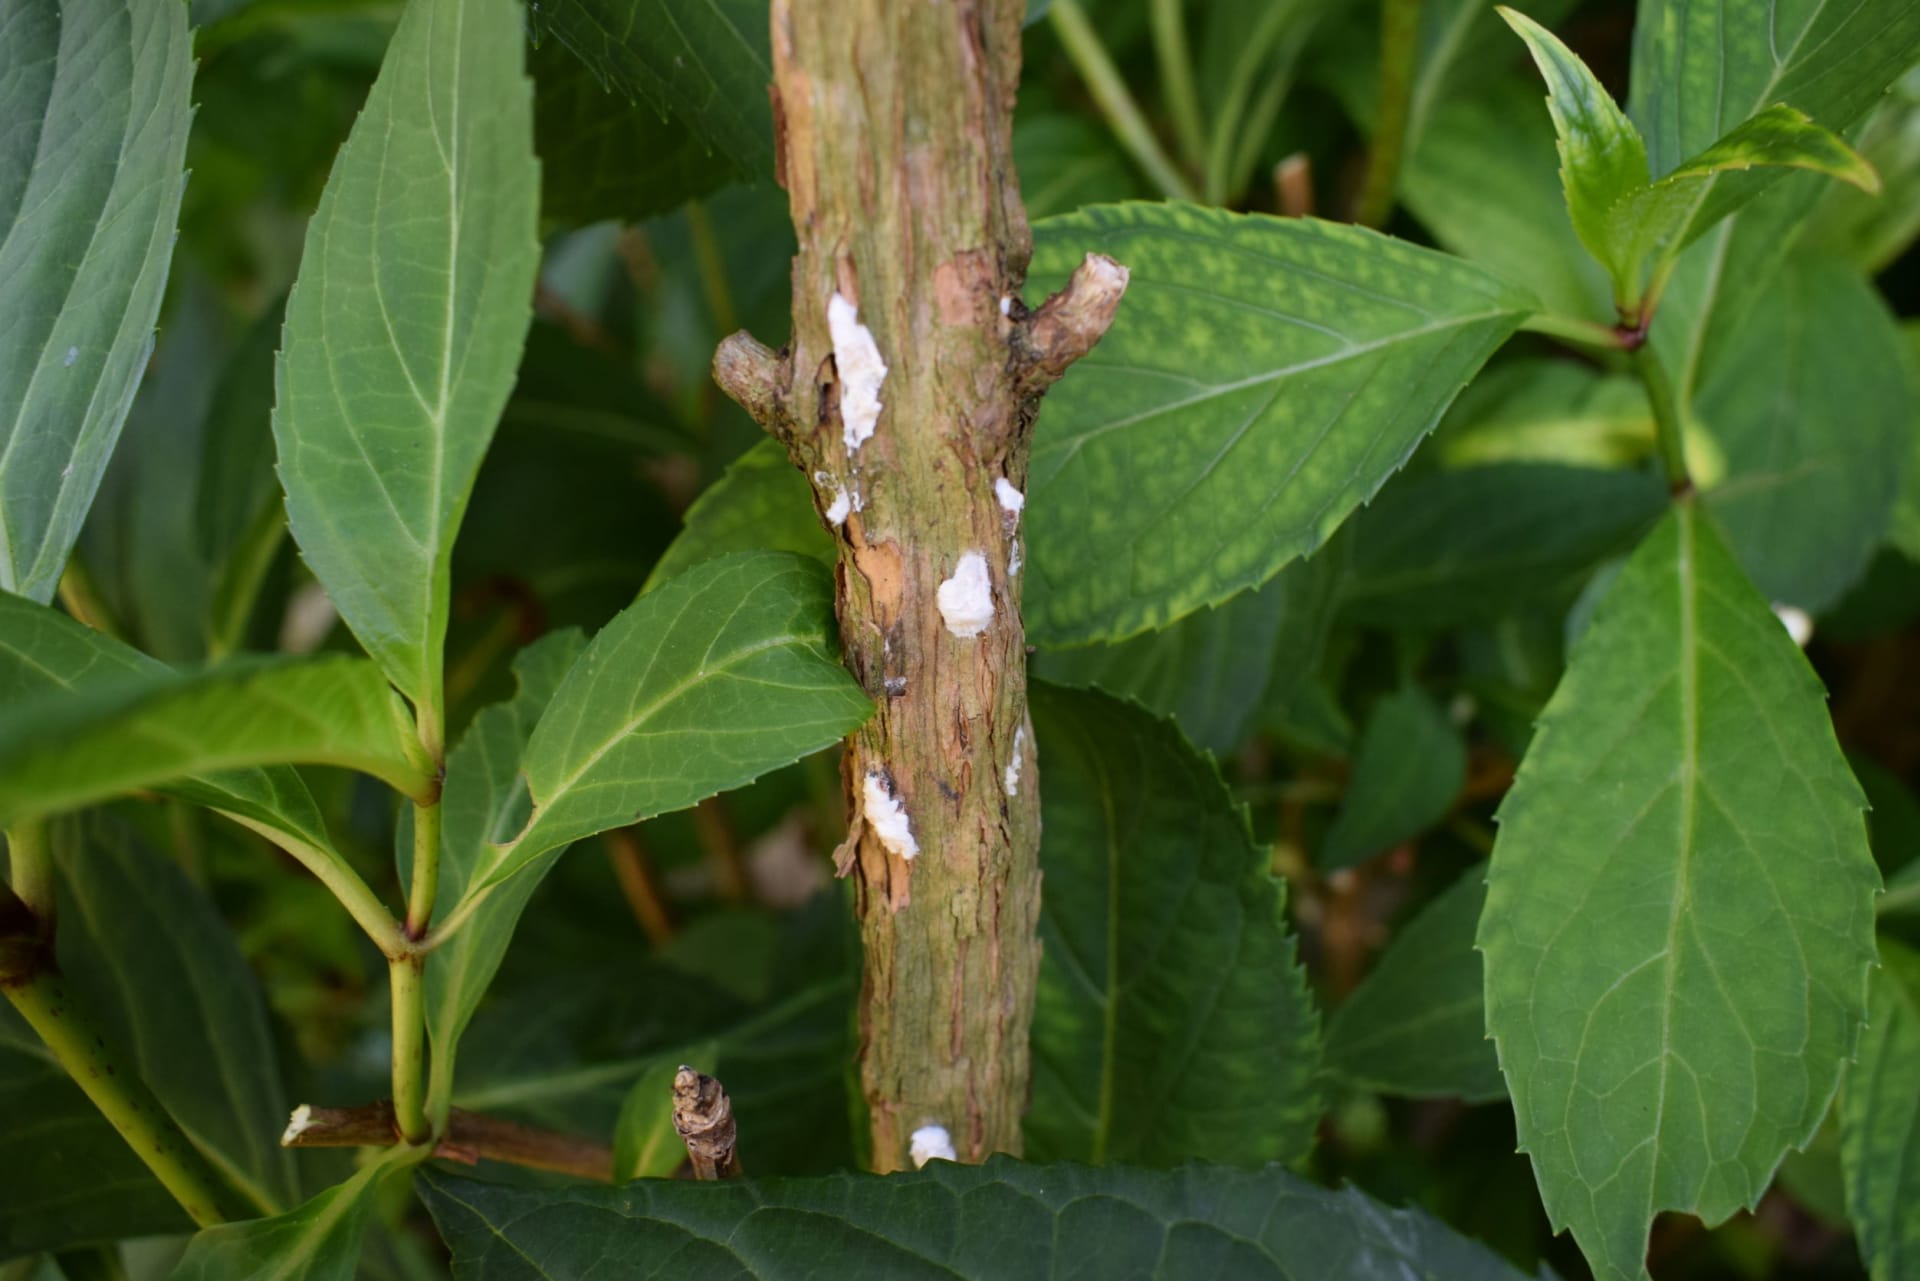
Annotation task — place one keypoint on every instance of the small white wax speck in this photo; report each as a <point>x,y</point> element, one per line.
<point>837,510</point>
<point>297,1124</point>
<point>73,354</point>
<point>1006,304</point>
<point>888,817</point>
<point>1013,766</point>
<point>1011,499</point>
<point>1013,560</point>
<point>860,368</point>
<point>1797,622</point>
<point>966,599</point>
<point>931,1143</point>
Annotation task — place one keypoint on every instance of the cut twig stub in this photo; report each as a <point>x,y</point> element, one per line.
<point>704,1119</point>
<point>1068,324</point>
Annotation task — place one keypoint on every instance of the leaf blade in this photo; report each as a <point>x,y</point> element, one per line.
<point>1880,1120</point>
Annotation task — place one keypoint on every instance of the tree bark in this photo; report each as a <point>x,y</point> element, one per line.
<point>894,145</point>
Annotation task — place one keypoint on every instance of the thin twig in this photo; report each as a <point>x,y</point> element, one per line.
<point>470,1136</point>
<point>634,871</point>
<point>704,1118</point>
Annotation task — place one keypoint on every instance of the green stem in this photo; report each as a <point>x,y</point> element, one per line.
<point>1176,77</point>
<point>31,864</point>
<point>1590,333</point>
<point>42,999</point>
<point>1090,58</point>
<point>426,868</point>
<point>713,268</point>
<point>409,1049</point>
<point>1399,54</point>
<point>1668,424</point>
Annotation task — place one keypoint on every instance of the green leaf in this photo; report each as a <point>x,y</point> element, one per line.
<point>1814,410</point>
<point>62,752</point>
<point>646,1145</point>
<point>1905,531</point>
<point>317,1241</point>
<point>1546,410</point>
<point>1002,1221</point>
<point>96,100</point>
<point>1067,161</point>
<point>1444,548</point>
<point>1173,1021</point>
<point>723,673</point>
<point>1871,230</point>
<point>708,62</point>
<point>1411,765</point>
<point>1417,1025</point>
<point>404,328</point>
<point>1880,1120</point>
<point>1679,914</point>
<point>1262,380</point>
<point>604,156</point>
<point>1602,157</point>
<point>760,503</point>
<point>240,519</point>
<point>484,802</point>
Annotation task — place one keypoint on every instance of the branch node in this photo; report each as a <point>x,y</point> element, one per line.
<point>756,377</point>
<point>704,1117</point>
<point>1068,324</point>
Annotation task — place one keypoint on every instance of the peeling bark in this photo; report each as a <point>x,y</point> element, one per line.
<point>894,143</point>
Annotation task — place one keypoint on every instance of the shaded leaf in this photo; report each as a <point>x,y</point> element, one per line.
<point>1417,1025</point>
<point>1067,161</point>
<point>1411,764</point>
<point>1870,230</point>
<point>65,751</point>
<point>96,100</point>
<point>1002,1221</point>
<point>317,1241</point>
<point>1679,914</point>
<point>405,326</point>
<point>1880,1120</point>
<point>1161,928</point>
<point>1262,379</point>
<point>1547,410</point>
<point>760,503</point>
<point>1814,410</point>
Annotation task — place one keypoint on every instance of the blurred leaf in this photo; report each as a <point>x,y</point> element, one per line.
<point>1547,410</point>
<point>1893,814</point>
<point>1263,377</point>
<point>760,503</point>
<point>1066,162</point>
<point>645,1143</point>
<point>1880,1120</point>
<point>1312,592</point>
<point>708,62</point>
<point>1003,1221</point>
<point>318,1241</point>
<point>1648,908</point>
<point>1439,549</point>
<point>1190,947</point>
<point>240,518</point>
<point>604,156</point>
<point>1417,1025</point>
<point>1871,229</point>
<point>405,326</point>
<point>722,674</point>
<point>1813,408</point>
<point>64,751</point>
<point>1905,534</point>
<point>1411,764</point>
<point>96,100</point>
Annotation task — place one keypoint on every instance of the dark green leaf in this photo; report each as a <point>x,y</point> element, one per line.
<point>1445,548</point>
<point>317,1241</point>
<point>96,103</point>
<point>1068,161</point>
<point>1417,1025</point>
<point>1872,229</point>
<point>1679,915</point>
<point>1880,1120</point>
<point>760,503</point>
<point>718,676</point>
<point>405,326</point>
<point>1173,1021</point>
<point>1410,766</point>
<point>709,62</point>
<point>239,516</point>
<point>61,752</point>
<point>1263,378</point>
<point>1003,1221</point>
<point>1814,411</point>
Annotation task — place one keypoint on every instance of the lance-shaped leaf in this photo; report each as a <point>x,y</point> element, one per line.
<point>319,1240</point>
<point>95,99</point>
<point>1263,378</point>
<point>705,683</point>
<point>1679,914</point>
<point>405,326</point>
<point>1417,1026</point>
<point>1173,1021</point>
<point>61,752</point>
<point>1880,1121</point>
<point>1002,1221</point>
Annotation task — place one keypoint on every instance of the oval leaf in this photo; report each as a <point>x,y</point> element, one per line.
<point>1264,376</point>
<point>1679,914</point>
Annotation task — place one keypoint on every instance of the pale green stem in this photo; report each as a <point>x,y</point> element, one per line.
<point>409,1049</point>
<point>362,904</point>
<point>1901,900</point>
<point>1090,58</point>
<point>31,871</point>
<point>1399,55</point>
<point>1176,77</point>
<point>1668,423</point>
<point>42,999</point>
<point>1589,333</point>
<point>426,868</point>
